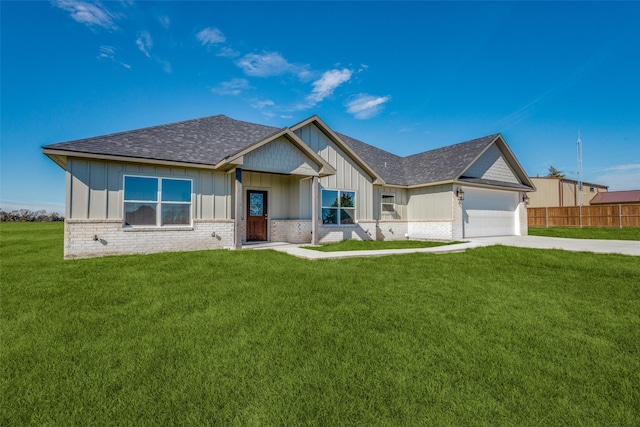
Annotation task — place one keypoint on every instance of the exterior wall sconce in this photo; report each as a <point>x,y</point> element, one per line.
<point>460,194</point>
<point>525,199</point>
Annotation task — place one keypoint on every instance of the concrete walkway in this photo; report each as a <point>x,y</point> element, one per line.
<point>624,247</point>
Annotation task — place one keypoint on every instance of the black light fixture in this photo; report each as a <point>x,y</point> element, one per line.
<point>525,199</point>
<point>460,194</point>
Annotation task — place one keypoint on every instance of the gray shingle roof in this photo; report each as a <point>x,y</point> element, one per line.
<point>209,140</point>
<point>446,163</point>
<point>389,166</point>
<point>442,164</point>
<point>200,141</point>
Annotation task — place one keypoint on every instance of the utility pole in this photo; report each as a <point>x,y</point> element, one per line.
<point>580,176</point>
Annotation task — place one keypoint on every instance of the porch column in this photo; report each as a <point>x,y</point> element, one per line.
<point>314,210</point>
<point>238,209</point>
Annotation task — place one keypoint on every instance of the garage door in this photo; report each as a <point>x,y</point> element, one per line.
<point>489,212</point>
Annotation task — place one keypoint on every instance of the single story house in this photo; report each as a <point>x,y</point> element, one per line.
<point>556,192</point>
<point>217,182</point>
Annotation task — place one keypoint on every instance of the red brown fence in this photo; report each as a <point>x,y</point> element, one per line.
<point>620,216</point>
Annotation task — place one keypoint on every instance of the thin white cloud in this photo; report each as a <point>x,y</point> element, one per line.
<point>327,83</point>
<point>620,177</point>
<point>144,42</point>
<point>270,64</point>
<point>232,87</point>
<point>623,168</point>
<point>263,104</point>
<point>166,66</point>
<point>109,53</point>
<point>364,106</point>
<point>164,21</point>
<point>227,52</point>
<point>92,14</point>
<point>210,37</point>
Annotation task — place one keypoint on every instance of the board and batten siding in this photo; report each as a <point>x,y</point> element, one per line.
<point>401,200</point>
<point>492,165</point>
<point>348,176</point>
<point>95,188</point>
<point>434,203</point>
<point>280,156</point>
<point>283,193</point>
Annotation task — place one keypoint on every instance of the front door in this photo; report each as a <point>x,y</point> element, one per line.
<point>256,216</point>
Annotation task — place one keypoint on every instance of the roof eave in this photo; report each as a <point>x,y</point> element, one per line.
<point>79,154</point>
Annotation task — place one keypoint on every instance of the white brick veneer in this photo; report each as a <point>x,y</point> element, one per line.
<point>363,230</point>
<point>292,231</point>
<point>522,213</point>
<point>392,230</point>
<point>114,240</point>
<point>431,230</point>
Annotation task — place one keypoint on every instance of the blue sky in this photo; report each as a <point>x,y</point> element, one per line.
<point>406,77</point>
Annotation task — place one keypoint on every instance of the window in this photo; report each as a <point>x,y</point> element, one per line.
<point>592,190</point>
<point>157,202</point>
<point>388,204</point>
<point>338,207</point>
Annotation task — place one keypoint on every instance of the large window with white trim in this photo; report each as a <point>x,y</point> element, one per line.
<point>338,207</point>
<point>157,202</point>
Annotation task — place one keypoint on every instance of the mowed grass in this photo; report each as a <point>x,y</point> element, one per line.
<point>587,233</point>
<point>491,336</point>
<point>369,245</point>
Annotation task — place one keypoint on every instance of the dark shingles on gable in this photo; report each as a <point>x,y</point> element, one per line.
<point>201,141</point>
<point>387,165</point>
<point>209,140</point>
<point>442,164</point>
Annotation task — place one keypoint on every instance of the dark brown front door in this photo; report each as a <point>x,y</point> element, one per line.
<point>256,216</point>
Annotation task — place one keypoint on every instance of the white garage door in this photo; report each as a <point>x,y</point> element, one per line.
<point>489,212</point>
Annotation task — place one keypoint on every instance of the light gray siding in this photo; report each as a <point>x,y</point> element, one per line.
<point>95,188</point>
<point>434,203</point>
<point>401,200</point>
<point>348,176</point>
<point>283,193</point>
<point>280,156</point>
<point>492,165</point>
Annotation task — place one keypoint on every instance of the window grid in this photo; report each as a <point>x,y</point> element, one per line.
<point>388,204</point>
<point>338,207</point>
<point>168,204</point>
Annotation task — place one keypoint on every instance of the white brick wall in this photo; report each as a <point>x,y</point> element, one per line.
<point>292,231</point>
<point>457,225</point>
<point>392,230</point>
<point>522,213</point>
<point>431,230</point>
<point>363,230</point>
<point>79,240</point>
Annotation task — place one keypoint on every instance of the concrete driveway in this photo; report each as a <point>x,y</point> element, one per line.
<point>624,247</point>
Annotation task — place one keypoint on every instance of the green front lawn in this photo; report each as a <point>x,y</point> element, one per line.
<point>369,245</point>
<point>587,233</point>
<point>491,336</point>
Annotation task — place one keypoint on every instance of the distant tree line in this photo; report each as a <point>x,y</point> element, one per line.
<point>25,215</point>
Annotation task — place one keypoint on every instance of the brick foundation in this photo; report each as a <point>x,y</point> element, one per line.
<point>292,231</point>
<point>80,238</point>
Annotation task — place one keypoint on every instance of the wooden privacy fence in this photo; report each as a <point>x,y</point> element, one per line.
<point>621,216</point>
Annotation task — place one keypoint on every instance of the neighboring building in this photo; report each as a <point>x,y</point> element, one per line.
<point>559,192</point>
<point>617,198</point>
<point>217,182</point>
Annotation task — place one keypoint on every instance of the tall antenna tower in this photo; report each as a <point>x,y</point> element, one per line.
<point>579,143</point>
